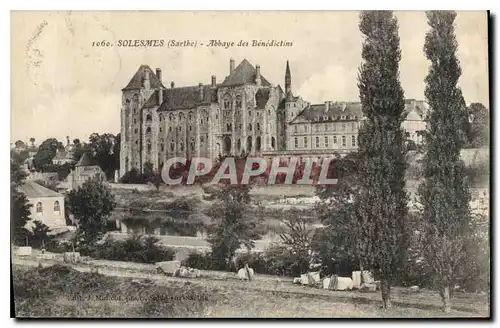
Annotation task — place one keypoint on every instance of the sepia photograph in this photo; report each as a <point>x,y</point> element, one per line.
<point>250,164</point>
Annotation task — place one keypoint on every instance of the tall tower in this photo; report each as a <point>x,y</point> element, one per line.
<point>288,82</point>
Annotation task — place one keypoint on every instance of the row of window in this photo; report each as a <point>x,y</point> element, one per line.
<point>39,207</point>
<point>325,127</point>
<point>325,141</point>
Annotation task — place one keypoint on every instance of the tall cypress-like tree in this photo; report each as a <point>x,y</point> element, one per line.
<point>381,202</point>
<point>445,192</point>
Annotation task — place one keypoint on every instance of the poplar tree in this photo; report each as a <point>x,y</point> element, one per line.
<point>445,192</point>
<point>381,202</point>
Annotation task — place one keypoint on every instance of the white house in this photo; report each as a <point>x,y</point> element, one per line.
<point>48,205</point>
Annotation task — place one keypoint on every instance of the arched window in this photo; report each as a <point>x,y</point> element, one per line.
<point>57,207</point>
<point>39,208</point>
<point>227,103</point>
<point>149,146</point>
<point>171,117</point>
<point>229,127</point>
<point>257,143</point>
<point>273,142</point>
<point>190,116</point>
<point>249,126</point>
<point>238,102</point>
<point>148,129</point>
<point>193,144</point>
<point>258,126</point>
<point>161,117</point>
<point>149,118</point>
<point>162,146</point>
<point>169,129</point>
<point>181,117</point>
<point>182,146</point>
<point>172,145</point>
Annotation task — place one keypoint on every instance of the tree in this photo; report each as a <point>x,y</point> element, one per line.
<point>46,152</point>
<point>445,192</point>
<point>40,234</point>
<point>336,242</point>
<point>103,150</point>
<point>91,205</point>
<point>231,226</point>
<point>478,126</point>
<point>298,239</point>
<point>381,203</point>
<point>20,212</point>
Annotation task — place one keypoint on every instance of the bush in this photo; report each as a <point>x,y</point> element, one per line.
<point>204,261</point>
<point>133,249</point>
<point>132,177</point>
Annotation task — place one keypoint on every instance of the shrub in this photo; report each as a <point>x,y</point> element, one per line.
<point>133,249</point>
<point>204,261</point>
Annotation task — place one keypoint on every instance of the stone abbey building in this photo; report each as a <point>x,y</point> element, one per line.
<point>243,113</point>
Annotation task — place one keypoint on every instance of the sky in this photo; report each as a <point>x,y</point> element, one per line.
<point>63,86</point>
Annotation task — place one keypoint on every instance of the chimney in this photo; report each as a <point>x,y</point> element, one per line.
<point>67,140</point>
<point>327,106</point>
<point>344,106</point>
<point>231,65</point>
<point>172,84</point>
<point>200,91</point>
<point>214,81</point>
<point>158,73</point>
<point>257,75</point>
<point>160,96</point>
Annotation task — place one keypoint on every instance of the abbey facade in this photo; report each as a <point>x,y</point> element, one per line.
<point>244,113</point>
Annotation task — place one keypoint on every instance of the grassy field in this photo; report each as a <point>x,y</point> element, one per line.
<point>60,291</point>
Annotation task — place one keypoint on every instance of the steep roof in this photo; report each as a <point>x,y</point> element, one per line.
<point>34,190</point>
<point>139,76</point>
<point>350,110</point>
<point>85,161</point>
<point>184,97</point>
<point>244,73</point>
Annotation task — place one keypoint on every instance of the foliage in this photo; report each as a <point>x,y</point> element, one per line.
<point>478,131</point>
<point>445,193</point>
<point>133,177</point>
<point>204,261</point>
<point>381,203</point>
<point>297,238</point>
<point>105,150</point>
<point>91,205</point>
<point>20,212</point>
<point>39,235</point>
<point>134,249</point>
<point>231,228</point>
<point>46,152</point>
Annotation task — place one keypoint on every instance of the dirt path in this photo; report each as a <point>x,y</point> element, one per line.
<point>425,300</point>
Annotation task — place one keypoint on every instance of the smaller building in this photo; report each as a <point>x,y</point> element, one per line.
<point>48,205</point>
<point>85,170</point>
<point>64,156</point>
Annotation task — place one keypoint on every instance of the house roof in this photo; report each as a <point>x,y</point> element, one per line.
<point>244,73</point>
<point>34,190</point>
<point>184,97</point>
<point>139,76</point>
<point>349,110</point>
<point>85,160</point>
